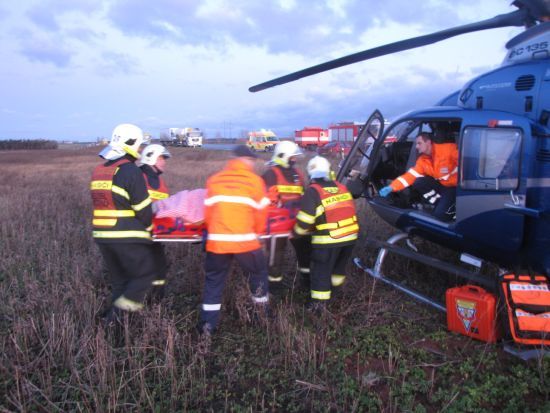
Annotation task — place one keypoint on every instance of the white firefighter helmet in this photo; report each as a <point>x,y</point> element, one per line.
<point>283,151</point>
<point>126,139</point>
<point>151,153</point>
<point>318,167</point>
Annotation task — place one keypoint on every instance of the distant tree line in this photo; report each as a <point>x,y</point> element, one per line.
<point>27,144</point>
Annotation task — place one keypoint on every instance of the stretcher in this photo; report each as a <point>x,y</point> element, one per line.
<point>175,229</point>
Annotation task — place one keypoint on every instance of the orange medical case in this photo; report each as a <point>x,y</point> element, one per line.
<point>471,311</point>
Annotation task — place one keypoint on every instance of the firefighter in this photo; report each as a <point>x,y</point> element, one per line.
<point>153,162</point>
<point>122,221</point>
<point>235,215</point>
<point>285,187</point>
<point>327,213</point>
<point>434,176</point>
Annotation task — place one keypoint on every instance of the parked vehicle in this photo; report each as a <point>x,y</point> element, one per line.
<point>338,148</point>
<point>187,137</point>
<point>191,137</point>
<point>169,136</point>
<point>311,137</point>
<point>263,140</point>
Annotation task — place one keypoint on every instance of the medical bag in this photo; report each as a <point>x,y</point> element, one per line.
<point>471,311</point>
<point>527,308</point>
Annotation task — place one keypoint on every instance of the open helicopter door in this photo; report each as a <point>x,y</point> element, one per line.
<point>353,169</point>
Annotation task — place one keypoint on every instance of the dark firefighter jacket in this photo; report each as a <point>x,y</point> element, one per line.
<point>122,206</point>
<point>327,212</point>
<point>285,186</point>
<point>155,183</point>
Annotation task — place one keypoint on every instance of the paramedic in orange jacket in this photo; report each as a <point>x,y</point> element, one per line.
<point>434,176</point>
<point>235,216</point>
<point>153,163</point>
<point>285,187</point>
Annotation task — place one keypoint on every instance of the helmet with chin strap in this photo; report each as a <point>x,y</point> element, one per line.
<point>126,139</point>
<point>318,167</point>
<point>151,153</point>
<point>283,151</point>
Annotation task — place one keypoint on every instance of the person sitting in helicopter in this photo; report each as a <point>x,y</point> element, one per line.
<point>434,176</point>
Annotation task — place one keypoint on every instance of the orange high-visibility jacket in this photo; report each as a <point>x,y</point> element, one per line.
<point>442,165</point>
<point>235,209</point>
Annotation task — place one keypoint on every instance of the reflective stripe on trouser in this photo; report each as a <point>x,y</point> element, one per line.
<point>320,295</point>
<point>131,269</point>
<point>337,280</point>
<point>217,267</point>
<point>128,305</point>
<point>325,262</point>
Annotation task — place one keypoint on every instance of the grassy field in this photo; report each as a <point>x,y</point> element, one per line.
<point>376,350</point>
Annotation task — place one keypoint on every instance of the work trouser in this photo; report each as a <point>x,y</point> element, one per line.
<point>328,269</point>
<point>443,198</point>
<point>276,262</point>
<point>161,268</point>
<point>302,247</point>
<point>131,269</point>
<point>217,267</point>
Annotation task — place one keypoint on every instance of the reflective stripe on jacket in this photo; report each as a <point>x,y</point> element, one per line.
<point>156,187</point>
<point>328,213</point>
<point>441,165</point>
<point>122,211</point>
<point>285,191</point>
<point>159,192</point>
<point>235,209</point>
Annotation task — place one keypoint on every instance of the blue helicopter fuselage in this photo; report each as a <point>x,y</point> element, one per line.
<point>503,194</point>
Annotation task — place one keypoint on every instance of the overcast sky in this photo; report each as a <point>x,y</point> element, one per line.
<point>73,69</point>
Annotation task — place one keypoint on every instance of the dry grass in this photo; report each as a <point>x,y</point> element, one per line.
<point>374,350</point>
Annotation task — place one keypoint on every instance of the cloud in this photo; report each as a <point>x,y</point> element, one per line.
<point>47,14</point>
<point>3,13</point>
<point>44,17</point>
<point>114,63</point>
<point>45,49</point>
<point>309,28</point>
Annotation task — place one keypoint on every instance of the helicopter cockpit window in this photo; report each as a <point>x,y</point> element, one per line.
<point>490,159</point>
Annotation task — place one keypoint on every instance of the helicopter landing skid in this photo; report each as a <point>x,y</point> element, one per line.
<point>385,247</point>
<point>376,273</point>
<point>526,354</point>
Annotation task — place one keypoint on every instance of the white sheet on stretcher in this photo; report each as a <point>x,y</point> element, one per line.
<point>188,205</point>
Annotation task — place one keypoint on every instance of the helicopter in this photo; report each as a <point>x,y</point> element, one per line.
<point>500,123</point>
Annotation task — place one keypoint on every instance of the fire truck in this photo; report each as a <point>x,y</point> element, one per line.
<point>311,137</point>
<point>344,131</point>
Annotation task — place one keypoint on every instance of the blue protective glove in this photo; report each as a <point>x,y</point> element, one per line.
<point>384,192</point>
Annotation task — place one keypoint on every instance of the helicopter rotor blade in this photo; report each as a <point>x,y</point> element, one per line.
<point>515,18</point>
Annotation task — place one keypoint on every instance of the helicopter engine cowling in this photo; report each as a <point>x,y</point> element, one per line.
<point>523,89</point>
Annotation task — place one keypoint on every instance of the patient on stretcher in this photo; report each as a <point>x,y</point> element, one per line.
<point>181,216</point>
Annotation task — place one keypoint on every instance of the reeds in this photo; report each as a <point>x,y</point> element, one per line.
<point>55,356</point>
